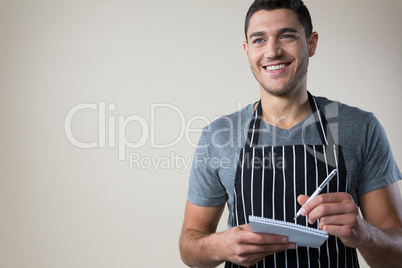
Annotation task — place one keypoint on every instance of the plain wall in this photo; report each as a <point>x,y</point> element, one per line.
<point>66,206</point>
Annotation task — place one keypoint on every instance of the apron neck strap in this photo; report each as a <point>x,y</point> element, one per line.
<point>321,123</point>
<point>254,126</point>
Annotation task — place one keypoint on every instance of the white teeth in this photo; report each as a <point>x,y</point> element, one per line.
<point>275,67</point>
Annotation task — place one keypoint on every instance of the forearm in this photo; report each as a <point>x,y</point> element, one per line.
<point>384,248</point>
<point>199,249</point>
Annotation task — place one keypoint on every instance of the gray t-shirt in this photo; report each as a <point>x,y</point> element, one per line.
<point>368,157</point>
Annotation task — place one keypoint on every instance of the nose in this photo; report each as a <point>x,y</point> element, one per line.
<point>273,49</point>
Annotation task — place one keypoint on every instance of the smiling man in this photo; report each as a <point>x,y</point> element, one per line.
<point>281,68</point>
<point>287,149</point>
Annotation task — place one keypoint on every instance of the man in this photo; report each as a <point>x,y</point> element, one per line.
<point>267,158</point>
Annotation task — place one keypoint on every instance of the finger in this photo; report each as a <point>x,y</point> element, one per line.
<point>347,219</point>
<point>302,199</point>
<point>340,231</point>
<point>249,260</point>
<point>272,248</point>
<point>264,249</point>
<point>328,209</point>
<point>326,198</point>
<point>245,227</point>
<point>263,239</point>
<point>253,258</point>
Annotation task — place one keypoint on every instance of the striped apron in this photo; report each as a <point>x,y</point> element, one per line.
<point>269,179</point>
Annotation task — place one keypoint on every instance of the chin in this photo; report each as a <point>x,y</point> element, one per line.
<point>278,92</point>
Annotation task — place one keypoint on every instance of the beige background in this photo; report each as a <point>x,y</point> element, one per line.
<point>63,206</point>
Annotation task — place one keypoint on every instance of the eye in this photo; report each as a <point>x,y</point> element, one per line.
<point>258,41</point>
<point>287,36</point>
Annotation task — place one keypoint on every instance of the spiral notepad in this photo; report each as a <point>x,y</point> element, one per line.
<point>301,235</point>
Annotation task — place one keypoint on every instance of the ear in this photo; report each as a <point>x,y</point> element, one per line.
<point>312,43</point>
<point>245,47</point>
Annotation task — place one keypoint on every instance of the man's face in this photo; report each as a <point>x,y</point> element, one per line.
<point>278,51</point>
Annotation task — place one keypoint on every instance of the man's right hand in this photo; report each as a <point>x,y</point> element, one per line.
<point>241,246</point>
<point>201,246</point>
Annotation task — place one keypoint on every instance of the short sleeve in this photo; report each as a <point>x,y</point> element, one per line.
<point>379,166</point>
<point>205,187</point>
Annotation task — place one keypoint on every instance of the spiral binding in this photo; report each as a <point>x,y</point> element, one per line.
<point>289,224</point>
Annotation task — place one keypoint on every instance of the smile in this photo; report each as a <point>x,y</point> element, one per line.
<point>275,67</point>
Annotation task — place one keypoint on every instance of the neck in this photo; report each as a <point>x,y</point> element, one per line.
<point>285,111</point>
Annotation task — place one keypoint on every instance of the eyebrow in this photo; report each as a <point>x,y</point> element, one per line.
<point>257,34</point>
<point>280,31</point>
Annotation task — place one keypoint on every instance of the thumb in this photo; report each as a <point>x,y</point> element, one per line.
<point>302,199</point>
<point>245,227</point>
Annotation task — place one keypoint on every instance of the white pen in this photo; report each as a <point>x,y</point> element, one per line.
<point>318,191</point>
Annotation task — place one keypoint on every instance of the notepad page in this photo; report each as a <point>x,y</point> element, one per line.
<point>301,235</point>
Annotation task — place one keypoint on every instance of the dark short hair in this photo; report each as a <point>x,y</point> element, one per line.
<point>296,5</point>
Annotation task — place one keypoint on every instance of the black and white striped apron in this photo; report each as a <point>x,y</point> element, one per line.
<point>269,179</point>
